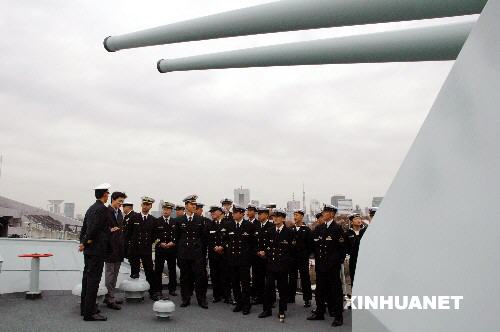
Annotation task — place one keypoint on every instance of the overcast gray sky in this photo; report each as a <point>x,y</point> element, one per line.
<point>74,115</point>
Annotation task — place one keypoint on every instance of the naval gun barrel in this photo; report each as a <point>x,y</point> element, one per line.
<point>437,43</point>
<point>292,15</point>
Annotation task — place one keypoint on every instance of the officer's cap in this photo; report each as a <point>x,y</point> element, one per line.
<point>318,215</point>
<point>237,208</point>
<point>214,208</point>
<point>280,212</point>
<point>329,207</point>
<point>373,209</point>
<point>102,186</point>
<point>199,205</point>
<point>263,209</point>
<point>128,204</point>
<point>354,215</point>
<point>168,205</point>
<point>147,200</point>
<point>190,199</point>
<point>252,207</point>
<point>179,207</point>
<point>226,201</point>
<point>300,211</point>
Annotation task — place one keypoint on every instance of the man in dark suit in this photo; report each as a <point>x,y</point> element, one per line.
<point>300,262</point>
<point>94,242</point>
<point>117,243</point>
<point>329,245</point>
<point>140,233</point>
<point>165,251</point>
<point>259,263</point>
<point>240,249</point>
<point>191,254</point>
<point>279,242</point>
<point>219,274</point>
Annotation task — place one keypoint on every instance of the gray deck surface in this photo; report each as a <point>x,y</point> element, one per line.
<point>60,312</point>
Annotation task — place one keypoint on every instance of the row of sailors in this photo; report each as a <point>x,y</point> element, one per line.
<point>246,256</point>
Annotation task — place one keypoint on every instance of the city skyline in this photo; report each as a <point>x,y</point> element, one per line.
<point>82,119</point>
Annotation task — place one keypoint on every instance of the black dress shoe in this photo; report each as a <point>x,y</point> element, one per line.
<point>246,311</point>
<point>216,300</point>
<point>203,304</point>
<point>185,304</point>
<point>237,308</point>
<point>338,321</point>
<point>307,304</point>
<point>95,317</point>
<point>119,301</point>
<point>316,316</point>
<point>173,293</point>
<point>265,313</point>
<point>113,306</point>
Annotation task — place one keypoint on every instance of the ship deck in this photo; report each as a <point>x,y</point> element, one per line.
<point>59,311</point>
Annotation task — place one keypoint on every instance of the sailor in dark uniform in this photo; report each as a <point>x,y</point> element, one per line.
<point>278,250</point>
<point>219,273</point>
<point>199,212</point>
<point>180,211</point>
<point>94,242</point>
<point>259,263</point>
<point>140,233</point>
<point>191,254</point>
<point>329,246</point>
<point>227,203</point>
<point>300,262</point>
<point>128,212</point>
<point>354,236</point>
<point>240,249</point>
<point>165,251</point>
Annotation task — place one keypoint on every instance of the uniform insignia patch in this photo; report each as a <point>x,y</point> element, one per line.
<point>231,233</point>
<point>328,238</point>
<point>341,240</point>
<point>211,232</point>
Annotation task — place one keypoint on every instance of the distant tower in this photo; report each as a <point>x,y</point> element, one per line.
<point>55,205</point>
<point>304,198</point>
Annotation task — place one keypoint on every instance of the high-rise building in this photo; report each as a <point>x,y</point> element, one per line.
<point>376,201</point>
<point>314,207</point>
<point>241,196</point>
<point>335,199</point>
<point>290,207</point>
<point>69,210</point>
<point>344,206</point>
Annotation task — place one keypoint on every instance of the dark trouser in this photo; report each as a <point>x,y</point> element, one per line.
<point>270,291</point>
<point>258,278</point>
<point>160,258</point>
<point>92,273</point>
<point>352,269</point>
<point>147,264</point>
<point>193,276</point>
<point>329,289</point>
<point>240,282</point>
<point>219,275</point>
<point>302,266</point>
